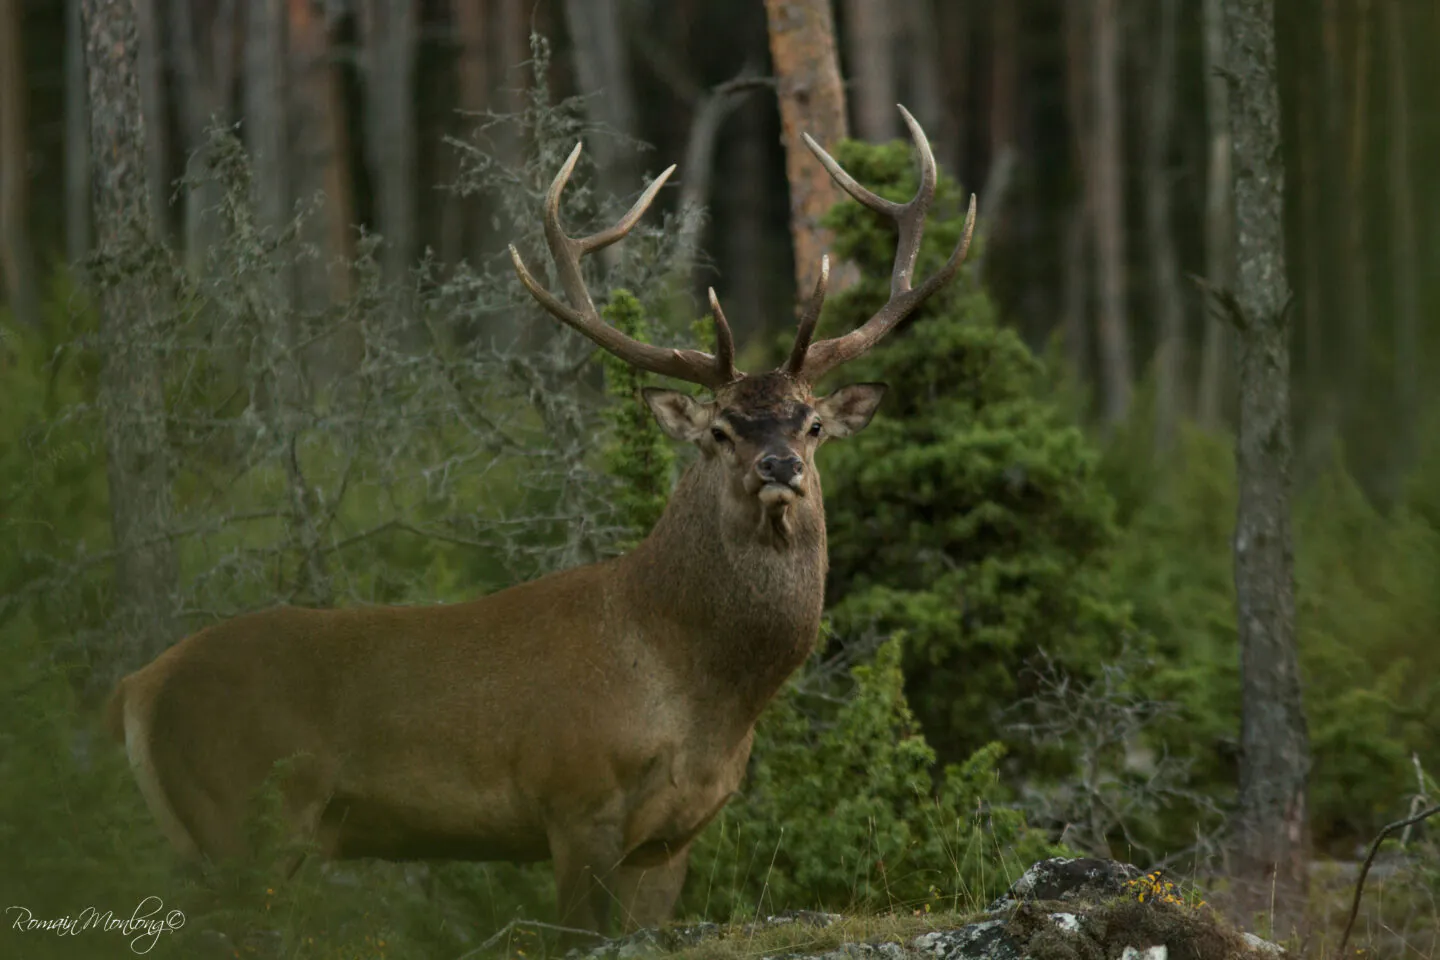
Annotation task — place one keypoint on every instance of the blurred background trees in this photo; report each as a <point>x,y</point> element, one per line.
<point>306,374</point>
<point>1095,132</point>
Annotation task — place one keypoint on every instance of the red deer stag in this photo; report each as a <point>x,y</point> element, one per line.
<point>600,716</point>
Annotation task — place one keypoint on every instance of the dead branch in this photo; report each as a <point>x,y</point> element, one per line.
<point>1365,869</point>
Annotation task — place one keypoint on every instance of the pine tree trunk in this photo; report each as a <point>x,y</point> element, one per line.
<point>17,259</point>
<point>1076,297</point>
<point>151,37</point>
<point>1219,225</point>
<point>319,154</point>
<point>460,216</point>
<point>265,114</point>
<point>1108,213</point>
<point>1403,256</point>
<point>870,43</point>
<point>812,100</point>
<point>1166,304</point>
<point>390,34</point>
<point>205,52</point>
<point>1271,835</point>
<point>131,391</point>
<point>602,70</point>
<point>924,93</point>
<point>77,138</point>
<point>1354,372</point>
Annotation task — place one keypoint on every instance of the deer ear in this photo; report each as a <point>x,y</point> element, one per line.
<point>849,409</point>
<point>680,415</point>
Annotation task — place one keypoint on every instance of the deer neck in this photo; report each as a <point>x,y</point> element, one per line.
<point>740,605</point>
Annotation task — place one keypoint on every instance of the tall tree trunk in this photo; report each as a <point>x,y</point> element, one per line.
<point>132,397</point>
<point>473,67</point>
<point>1168,308</point>
<point>870,50</point>
<point>744,242</point>
<point>205,34</point>
<point>265,113</point>
<point>1314,250</point>
<point>1403,256</point>
<point>17,259</point>
<point>953,24</point>
<point>152,102</point>
<point>319,153</point>
<point>812,100</point>
<point>1219,226</point>
<point>1271,834</point>
<point>389,28</point>
<point>1108,212</point>
<point>602,71</point>
<point>1075,302</point>
<point>1076,320</point>
<point>1355,369</point>
<point>1004,77</point>
<point>77,138</point>
<point>924,92</point>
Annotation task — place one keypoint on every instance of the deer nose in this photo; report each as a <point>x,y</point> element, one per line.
<point>783,470</point>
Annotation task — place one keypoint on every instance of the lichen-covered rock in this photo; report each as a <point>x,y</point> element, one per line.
<point>1105,918</point>
<point>1069,880</point>
<point>989,940</point>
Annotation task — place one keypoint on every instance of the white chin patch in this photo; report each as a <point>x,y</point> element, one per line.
<point>776,496</point>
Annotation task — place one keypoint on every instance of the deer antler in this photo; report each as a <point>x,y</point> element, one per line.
<point>693,366</point>
<point>812,361</point>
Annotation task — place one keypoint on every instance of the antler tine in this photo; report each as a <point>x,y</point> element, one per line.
<point>808,319</point>
<point>580,314</point>
<point>909,219</point>
<point>724,340</point>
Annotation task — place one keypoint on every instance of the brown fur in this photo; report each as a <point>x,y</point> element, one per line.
<point>599,717</point>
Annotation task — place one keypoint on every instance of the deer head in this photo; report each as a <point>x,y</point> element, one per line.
<point>758,434</point>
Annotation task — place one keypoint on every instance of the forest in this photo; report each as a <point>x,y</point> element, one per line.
<point>1138,558</point>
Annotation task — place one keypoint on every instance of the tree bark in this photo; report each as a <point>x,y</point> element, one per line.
<point>152,102</point>
<point>1271,835</point>
<point>390,33</point>
<point>1219,225</point>
<point>870,49</point>
<point>1355,261</point>
<point>460,216</point>
<point>924,91</point>
<point>265,114</point>
<point>17,258</point>
<point>319,154</point>
<point>1108,212</point>
<point>1166,304</point>
<point>131,387</point>
<point>812,100</point>
<point>1076,319</point>
<point>601,71</point>
<point>77,138</point>
<point>205,54</point>
<point>1402,225</point>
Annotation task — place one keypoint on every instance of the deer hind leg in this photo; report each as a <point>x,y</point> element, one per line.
<point>647,895</point>
<point>585,860</point>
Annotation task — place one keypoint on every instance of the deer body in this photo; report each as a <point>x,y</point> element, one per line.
<point>599,717</point>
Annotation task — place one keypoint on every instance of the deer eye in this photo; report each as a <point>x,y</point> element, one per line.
<point>815,429</point>
<point>720,435</point>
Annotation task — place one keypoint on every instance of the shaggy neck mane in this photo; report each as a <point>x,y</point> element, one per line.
<point>748,602</point>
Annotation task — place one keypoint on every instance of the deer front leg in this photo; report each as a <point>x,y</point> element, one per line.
<point>647,895</point>
<point>585,859</point>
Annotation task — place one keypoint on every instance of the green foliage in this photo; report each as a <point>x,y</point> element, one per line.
<point>638,454</point>
<point>840,812</point>
<point>970,513</point>
<point>1367,613</point>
